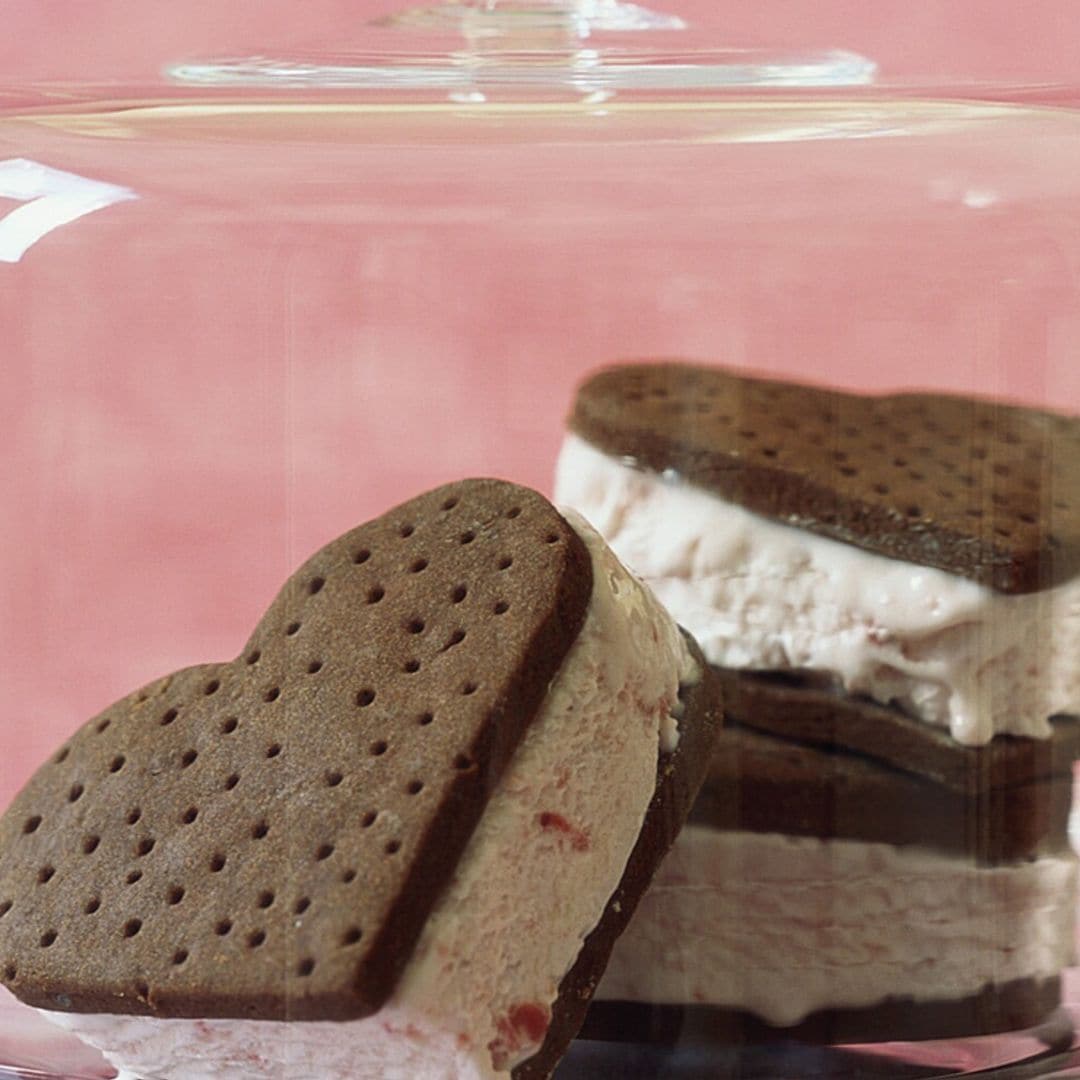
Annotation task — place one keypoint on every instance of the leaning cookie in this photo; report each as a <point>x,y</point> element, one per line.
<point>396,837</point>
<point>921,549</point>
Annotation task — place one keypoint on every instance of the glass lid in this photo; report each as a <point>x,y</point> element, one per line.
<point>472,49</point>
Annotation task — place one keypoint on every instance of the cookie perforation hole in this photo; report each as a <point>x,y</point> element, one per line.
<point>253,657</point>
<point>392,847</point>
<point>505,562</point>
<point>144,846</point>
<point>231,781</point>
<point>418,566</point>
<point>217,862</point>
<point>333,778</point>
<point>414,787</point>
<point>134,814</point>
<point>450,503</point>
<point>174,894</point>
<point>134,877</point>
<point>301,905</point>
<point>378,748</point>
<point>459,593</point>
<point>323,852</point>
<point>415,626</point>
<point>314,667</point>
<point>348,876</point>
<point>188,758</point>
<point>305,967</point>
<point>406,530</point>
<point>456,638</point>
<point>223,927</point>
<point>45,874</point>
<point>212,687</point>
<point>179,957</point>
<point>62,755</point>
<point>513,512</point>
<point>132,927</point>
<point>411,667</point>
<point>375,594</point>
<point>315,585</point>
<point>272,694</point>
<point>90,844</point>
<point>292,629</point>
<point>168,716</point>
<point>32,824</point>
<point>102,726</point>
<point>351,936</point>
<point>368,819</point>
<point>273,750</point>
<point>266,899</point>
<point>92,906</point>
<point>260,830</point>
<point>462,762</point>
<point>5,907</point>
<point>75,792</point>
<point>467,537</point>
<point>229,725</point>
<point>360,557</point>
<point>47,939</point>
<point>256,938</point>
<point>501,607</point>
<point>425,718</point>
<point>365,697</point>
<point>117,763</point>
<point>190,815</point>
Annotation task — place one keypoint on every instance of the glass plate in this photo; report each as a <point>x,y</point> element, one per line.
<point>31,1049</point>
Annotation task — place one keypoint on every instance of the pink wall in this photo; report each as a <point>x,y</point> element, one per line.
<point>289,332</point>
<point>955,39</point>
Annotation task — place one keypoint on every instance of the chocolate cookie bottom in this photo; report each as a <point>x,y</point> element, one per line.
<point>1011,1006</point>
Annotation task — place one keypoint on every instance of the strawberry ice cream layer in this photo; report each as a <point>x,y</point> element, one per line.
<point>550,849</point>
<point>760,594</point>
<point>782,926</point>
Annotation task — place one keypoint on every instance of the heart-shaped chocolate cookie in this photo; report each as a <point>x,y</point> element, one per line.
<point>266,837</point>
<point>982,489</point>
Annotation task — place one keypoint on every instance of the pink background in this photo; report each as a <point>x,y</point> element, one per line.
<point>956,40</point>
<point>287,333</point>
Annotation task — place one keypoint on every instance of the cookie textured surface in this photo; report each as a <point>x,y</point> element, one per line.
<point>984,490</point>
<point>808,708</point>
<point>265,838</point>
<point>761,783</point>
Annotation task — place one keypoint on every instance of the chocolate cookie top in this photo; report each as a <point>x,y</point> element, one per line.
<point>980,489</point>
<point>808,707</point>
<point>266,837</point>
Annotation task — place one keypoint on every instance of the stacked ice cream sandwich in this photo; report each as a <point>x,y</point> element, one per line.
<point>395,838</point>
<point>888,587</point>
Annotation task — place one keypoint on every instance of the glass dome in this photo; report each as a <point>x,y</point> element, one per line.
<point>263,282</point>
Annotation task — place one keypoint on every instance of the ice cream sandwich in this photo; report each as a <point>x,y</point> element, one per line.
<point>395,837</point>
<point>829,896</point>
<point>888,588</point>
<point>921,549</point>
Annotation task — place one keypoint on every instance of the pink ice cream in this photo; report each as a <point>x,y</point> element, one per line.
<point>550,849</point>
<point>759,594</point>
<point>784,925</point>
